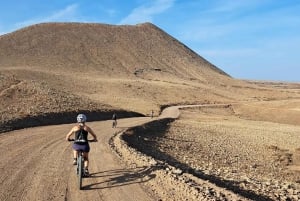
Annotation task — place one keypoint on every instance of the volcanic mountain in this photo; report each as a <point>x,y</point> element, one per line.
<point>69,67</point>
<point>111,50</point>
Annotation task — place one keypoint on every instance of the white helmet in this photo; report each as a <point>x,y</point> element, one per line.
<point>81,118</point>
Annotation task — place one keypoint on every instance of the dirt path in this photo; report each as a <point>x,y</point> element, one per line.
<point>37,165</point>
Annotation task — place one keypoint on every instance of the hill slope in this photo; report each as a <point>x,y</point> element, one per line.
<point>109,49</point>
<point>100,67</point>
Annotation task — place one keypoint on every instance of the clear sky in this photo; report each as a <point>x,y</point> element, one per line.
<point>248,39</point>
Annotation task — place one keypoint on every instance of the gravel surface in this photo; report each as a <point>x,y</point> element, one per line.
<point>254,159</point>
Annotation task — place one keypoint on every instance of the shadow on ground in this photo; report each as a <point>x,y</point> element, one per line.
<point>145,139</point>
<point>122,177</point>
<point>62,118</point>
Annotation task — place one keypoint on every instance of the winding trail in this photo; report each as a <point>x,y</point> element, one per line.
<point>37,165</point>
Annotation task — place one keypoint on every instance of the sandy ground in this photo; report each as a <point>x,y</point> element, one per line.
<point>230,163</point>
<point>258,160</point>
<point>50,83</point>
<point>37,166</point>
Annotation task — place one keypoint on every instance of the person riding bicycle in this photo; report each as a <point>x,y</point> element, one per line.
<point>114,118</point>
<point>81,132</point>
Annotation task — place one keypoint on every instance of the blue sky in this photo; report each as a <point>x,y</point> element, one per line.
<point>248,39</point>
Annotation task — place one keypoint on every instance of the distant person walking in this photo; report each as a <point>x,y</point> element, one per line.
<point>114,118</point>
<point>152,114</point>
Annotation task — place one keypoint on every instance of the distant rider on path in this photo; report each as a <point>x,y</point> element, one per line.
<point>114,118</point>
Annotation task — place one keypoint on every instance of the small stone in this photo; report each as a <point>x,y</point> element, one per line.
<point>177,171</point>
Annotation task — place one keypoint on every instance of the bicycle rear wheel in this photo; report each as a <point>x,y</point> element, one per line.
<point>80,172</point>
<point>114,124</point>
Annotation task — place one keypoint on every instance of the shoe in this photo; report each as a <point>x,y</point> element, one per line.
<point>86,172</point>
<point>75,161</point>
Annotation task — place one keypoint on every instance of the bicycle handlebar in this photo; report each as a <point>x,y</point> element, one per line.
<point>88,140</point>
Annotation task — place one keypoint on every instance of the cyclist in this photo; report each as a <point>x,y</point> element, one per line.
<point>81,132</point>
<point>114,118</point>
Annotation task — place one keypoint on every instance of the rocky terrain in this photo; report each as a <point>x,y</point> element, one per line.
<point>257,160</point>
<point>57,67</point>
<point>245,150</point>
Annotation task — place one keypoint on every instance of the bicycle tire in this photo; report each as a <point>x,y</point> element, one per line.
<point>79,168</point>
<point>114,124</point>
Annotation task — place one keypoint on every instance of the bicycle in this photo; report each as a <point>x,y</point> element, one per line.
<point>80,166</point>
<point>114,123</point>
